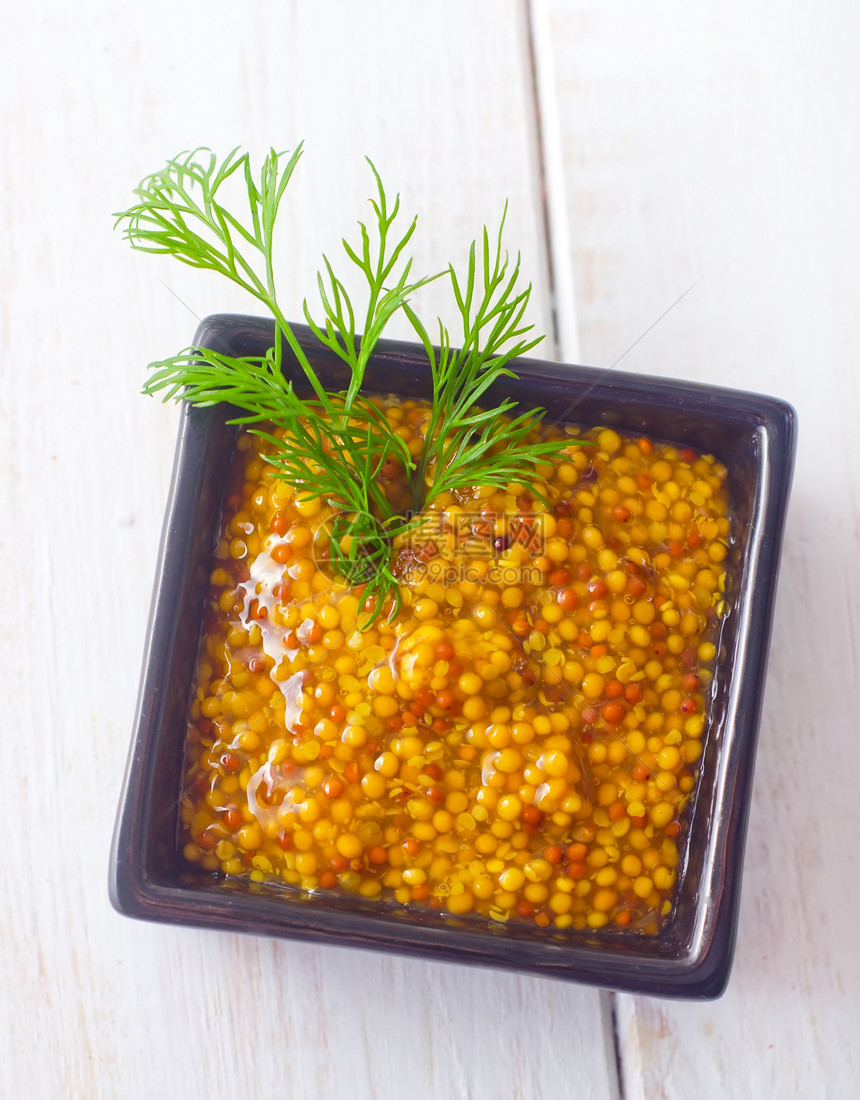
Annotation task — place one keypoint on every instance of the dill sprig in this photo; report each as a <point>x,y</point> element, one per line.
<point>334,445</point>
<point>466,444</point>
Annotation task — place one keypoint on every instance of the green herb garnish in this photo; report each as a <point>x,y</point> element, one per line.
<point>334,446</point>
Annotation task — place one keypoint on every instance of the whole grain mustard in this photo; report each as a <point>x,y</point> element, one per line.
<point>519,742</point>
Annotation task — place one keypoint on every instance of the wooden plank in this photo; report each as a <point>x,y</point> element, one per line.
<point>92,98</point>
<point>717,148</point>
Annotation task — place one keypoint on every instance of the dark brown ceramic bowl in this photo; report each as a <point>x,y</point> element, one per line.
<point>753,436</point>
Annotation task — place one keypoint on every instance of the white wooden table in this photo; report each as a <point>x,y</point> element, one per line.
<point>646,149</point>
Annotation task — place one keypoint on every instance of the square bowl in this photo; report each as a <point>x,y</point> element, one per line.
<point>752,435</point>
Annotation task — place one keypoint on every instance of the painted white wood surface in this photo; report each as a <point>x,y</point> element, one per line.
<point>720,145</point>
<point>92,97</point>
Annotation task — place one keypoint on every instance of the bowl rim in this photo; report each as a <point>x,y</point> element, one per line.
<point>700,968</point>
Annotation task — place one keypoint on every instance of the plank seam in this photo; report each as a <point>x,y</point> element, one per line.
<point>551,181</point>
<point>615,1053</point>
